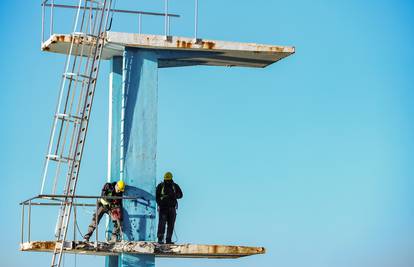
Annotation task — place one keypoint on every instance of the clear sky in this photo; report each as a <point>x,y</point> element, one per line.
<point>311,157</point>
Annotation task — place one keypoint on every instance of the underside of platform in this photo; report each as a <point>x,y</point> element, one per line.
<point>185,51</point>
<point>146,248</point>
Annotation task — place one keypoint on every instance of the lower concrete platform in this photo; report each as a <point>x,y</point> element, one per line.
<point>147,248</point>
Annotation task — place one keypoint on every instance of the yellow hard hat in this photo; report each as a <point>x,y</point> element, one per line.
<point>168,176</point>
<point>121,185</point>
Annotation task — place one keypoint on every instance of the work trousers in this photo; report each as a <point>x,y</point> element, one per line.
<point>167,216</point>
<point>96,218</point>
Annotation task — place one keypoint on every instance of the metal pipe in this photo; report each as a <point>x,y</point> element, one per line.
<point>22,236</point>
<point>27,201</point>
<point>166,18</point>
<point>56,198</point>
<point>43,22</point>
<point>120,11</point>
<point>169,26</point>
<point>51,17</point>
<point>58,204</point>
<point>96,228</point>
<point>74,223</point>
<point>29,220</point>
<point>139,23</point>
<point>196,19</point>
<point>77,196</point>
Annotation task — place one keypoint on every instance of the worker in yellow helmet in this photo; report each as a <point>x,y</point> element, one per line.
<point>112,207</point>
<point>167,194</point>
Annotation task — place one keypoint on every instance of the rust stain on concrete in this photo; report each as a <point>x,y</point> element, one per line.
<point>208,45</point>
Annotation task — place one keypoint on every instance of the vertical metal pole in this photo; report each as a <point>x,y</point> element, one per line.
<point>196,19</point>
<point>166,18</point>
<point>169,26</point>
<point>74,222</point>
<point>22,237</point>
<point>139,23</point>
<point>43,22</point>
<point>51,16</point>
<point>97,223</point>
<point>29,220</point>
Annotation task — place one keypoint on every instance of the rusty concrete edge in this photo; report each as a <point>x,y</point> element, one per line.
<point>175,42</point>
<point>190,43</point>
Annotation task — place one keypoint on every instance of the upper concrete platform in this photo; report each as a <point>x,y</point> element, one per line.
<point>177,51</point>
<point>143,247</point>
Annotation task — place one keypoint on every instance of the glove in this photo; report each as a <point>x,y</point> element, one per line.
<point>104,202</point>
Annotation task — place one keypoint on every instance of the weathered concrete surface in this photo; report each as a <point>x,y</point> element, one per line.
<point>198,52</point>
<point>147,248</point>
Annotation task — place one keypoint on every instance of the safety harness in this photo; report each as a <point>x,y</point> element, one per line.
<point>163,195</point>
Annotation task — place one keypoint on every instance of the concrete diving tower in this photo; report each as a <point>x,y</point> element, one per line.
<point>133,110</point>
<point>146,248</point>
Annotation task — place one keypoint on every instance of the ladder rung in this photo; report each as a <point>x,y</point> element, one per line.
<point>71,76</point>
<point>83,34</point>
<point>58,158</point>
<point>95,2</point>
<point>67,117</point>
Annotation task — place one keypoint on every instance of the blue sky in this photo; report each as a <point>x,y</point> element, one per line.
<point>311,157</point>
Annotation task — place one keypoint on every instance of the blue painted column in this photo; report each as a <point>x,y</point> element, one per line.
<point>136,111</point>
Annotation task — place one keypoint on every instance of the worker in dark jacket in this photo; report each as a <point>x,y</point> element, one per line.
<point>167,194</point>
<point>112,207</point>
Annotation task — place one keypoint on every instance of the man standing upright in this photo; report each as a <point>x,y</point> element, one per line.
<point>167,194</point>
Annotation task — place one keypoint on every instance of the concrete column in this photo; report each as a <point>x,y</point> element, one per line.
<point>136,110</point>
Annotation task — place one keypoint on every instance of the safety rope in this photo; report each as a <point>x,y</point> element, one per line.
<point>175,233</point>
<point>176,236</point>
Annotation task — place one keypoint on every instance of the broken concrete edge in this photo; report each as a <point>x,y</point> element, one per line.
<point>143,247</point>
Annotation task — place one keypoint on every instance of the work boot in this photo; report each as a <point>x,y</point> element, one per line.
<point>168,241</point>
<point>114,238</point>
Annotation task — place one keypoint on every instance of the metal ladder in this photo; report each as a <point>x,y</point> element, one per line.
<point>71,119</point>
